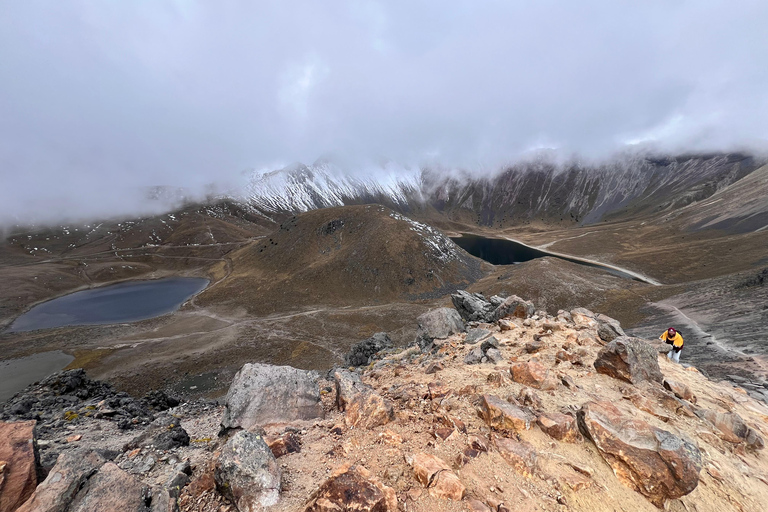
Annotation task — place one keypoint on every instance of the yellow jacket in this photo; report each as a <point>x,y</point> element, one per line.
<point>677,341</point>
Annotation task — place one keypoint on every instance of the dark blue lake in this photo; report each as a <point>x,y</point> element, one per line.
<point>113,304</point>
<point>500,251</point>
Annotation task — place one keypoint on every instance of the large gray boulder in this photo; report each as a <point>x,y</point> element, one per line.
<point>71,472</point>
<point>629,359</point>
<point>262,394</point>
<point>608,328</point>
<point>472,306</point>
<point>438,324</point>
<point>111,488</point>
<point>247,472</point>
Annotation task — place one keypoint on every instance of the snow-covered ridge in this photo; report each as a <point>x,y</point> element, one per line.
<point>301,188</point>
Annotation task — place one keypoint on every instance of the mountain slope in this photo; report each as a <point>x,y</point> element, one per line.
<point>345,255</point>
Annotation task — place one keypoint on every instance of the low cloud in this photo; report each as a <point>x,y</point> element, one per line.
<point>100,100</point>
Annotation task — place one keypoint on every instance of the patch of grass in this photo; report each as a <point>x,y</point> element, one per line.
<point>88,358</point>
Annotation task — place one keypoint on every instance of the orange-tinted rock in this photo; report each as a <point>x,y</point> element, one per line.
<point>18,477</point>
<point>518,454</point>
<point>532,374</point>
<point>506,325</point>
<point>502,415</point>
<point>478,442</point>
<point>390,437</point>
<point>433,473</point>
<point>284,444</point>
<point>680,390</point>
<point>559,426</point>
<point>352,488</point>
<point>446,485</point>
<point>368,410</point>
<point>654,462</point>
<point>530,398</point>
<point>437,390</point>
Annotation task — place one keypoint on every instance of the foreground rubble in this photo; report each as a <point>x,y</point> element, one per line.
<point>528,413</point>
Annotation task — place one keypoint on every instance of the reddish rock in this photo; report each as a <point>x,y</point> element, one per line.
<point>284,444</point>
<point>530,398</point>
<point>559,426</point>
<point>18,478</point>
<point>645,404</point>
<point>443,432</point>
<point>433,473</point>
<point>680,390</point>
<point>654,462</point>
<point>518,454</point>
<point>437,390</point>
<point>390,437</point>
<point>368,410</point>
<point>731,427</point>
<point>478,442</point>
<point>532,374</point>
<point>352,488</point>
<point>629,359</point>
<point>502,415</point>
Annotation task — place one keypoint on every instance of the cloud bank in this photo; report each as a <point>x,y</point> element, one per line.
<point>99,99</point>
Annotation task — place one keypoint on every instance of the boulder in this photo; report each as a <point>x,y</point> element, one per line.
<point>363,407</point>
<point>629,359</point>
<point>18,458</point>
<point>71,472</point>
<point>532,374</point>
<point>559,426</point>
<point>731,427</point>
<point>247,473</point>
<point>654,462</point>
<point>520,455</point>
<point>438,324</point>
<point>513,306</point>
<point>433,473</point>
<point>352,488</point>
<point>608,328</point>
<point>502,415</point>
<point>472,306</point>
<point>111,488</point>
<point>362,353</point>
<point>262,393</point>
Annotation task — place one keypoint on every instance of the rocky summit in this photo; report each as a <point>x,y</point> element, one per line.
<point>493,407</point>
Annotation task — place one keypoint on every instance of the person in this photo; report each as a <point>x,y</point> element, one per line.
<point>672,337</point>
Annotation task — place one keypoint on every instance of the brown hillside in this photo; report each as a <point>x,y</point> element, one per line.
<point>348,255</point>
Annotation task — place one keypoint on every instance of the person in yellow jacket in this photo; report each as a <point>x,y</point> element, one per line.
<point>672,337</point>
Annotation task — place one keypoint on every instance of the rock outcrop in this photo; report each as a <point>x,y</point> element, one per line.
<point>247,472</point>
<point>433,473</point>
<point>438,324</point>
<point>655,462</point>
<point>629,359</point>
<point>362,353</point>
<point>502,415</point>
<point>731,427</point>
<point>262,393</point>
<point>18,458</point>
<point>362,406</point>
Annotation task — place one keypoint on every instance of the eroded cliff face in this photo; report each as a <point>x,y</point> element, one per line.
<point>537,192</point>
<point>530,412</point>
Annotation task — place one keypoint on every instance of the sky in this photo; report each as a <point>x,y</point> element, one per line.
<point>100,99</point>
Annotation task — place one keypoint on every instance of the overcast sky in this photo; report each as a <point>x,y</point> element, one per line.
<point>99,97</point>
